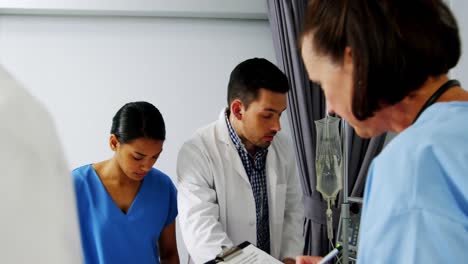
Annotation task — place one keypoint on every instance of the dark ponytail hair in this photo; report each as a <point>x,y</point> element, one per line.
<point>138,120</point>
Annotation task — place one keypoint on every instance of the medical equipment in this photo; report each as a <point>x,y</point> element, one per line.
<point>355,208</point>
<point>328,164</point>
<point>331,255</point>
<point>332,175</point>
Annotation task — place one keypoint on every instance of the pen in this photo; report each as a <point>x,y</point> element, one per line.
<point>331,255</point>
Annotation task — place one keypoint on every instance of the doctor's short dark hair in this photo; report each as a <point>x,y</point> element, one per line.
<point>138,120</point>
<point>250,76</point>
<point>395,44</point>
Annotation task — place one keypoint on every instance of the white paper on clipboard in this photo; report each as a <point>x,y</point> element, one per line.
<point>252,255</point>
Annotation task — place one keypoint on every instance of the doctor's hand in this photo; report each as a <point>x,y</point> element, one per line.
<point>307,260</point>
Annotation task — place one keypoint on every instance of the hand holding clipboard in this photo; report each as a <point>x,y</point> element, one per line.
<point>244,253</point>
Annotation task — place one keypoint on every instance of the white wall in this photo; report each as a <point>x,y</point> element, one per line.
<point>460,8</point>
<point>253,9</point>
<point>84,68</point>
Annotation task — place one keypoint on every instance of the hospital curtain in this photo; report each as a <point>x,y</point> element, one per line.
<point>306,103</point>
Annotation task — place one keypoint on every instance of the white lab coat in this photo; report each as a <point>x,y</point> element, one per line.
<point>215,199</point>
<point>38,217</point>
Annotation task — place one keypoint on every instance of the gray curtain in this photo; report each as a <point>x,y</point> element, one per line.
<point>360,154</point>
<point>306,104</point>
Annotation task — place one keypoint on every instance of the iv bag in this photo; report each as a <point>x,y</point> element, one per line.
<point>328,158</point>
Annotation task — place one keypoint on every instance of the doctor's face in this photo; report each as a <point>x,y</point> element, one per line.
<point>138,156</point>
<point>260,120</point>
<point>336,81</point>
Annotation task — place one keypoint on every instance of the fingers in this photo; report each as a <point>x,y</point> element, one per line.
<point>307,260</point>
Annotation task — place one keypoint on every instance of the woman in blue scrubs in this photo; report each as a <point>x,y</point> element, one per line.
<point>127,208</point>
<point>384,66</point>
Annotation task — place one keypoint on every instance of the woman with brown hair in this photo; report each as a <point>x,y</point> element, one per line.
<point>383,66</point>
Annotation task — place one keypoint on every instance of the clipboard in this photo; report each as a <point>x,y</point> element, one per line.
<point>243,253</point>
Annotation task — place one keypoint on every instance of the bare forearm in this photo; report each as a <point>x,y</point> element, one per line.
<point>167,245</point>
<point>289,261</point>
<point>172,259</point>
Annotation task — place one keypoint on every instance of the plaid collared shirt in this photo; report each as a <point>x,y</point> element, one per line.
<point>255,169</point>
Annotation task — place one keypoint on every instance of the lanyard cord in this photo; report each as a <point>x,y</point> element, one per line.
<point>449,84</point>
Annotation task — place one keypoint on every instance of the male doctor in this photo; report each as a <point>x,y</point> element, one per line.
<point>38,211</point>
<point>237,178</point>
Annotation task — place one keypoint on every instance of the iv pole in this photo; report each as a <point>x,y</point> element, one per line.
<point>345,205</point>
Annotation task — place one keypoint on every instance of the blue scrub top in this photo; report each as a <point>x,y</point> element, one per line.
<point>416,196</point>
<point>110,236</point>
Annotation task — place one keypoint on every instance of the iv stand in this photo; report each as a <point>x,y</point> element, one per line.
<point>345,205</point>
